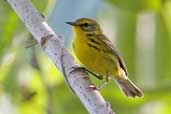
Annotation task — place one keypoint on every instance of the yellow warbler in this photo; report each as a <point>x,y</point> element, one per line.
<point>99,56</point>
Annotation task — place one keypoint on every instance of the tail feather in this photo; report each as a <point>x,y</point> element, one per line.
<point>128,88</point>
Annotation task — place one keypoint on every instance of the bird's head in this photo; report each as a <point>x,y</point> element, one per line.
<point>86,25</point>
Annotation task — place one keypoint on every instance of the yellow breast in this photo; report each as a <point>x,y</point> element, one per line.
<point>92,58</point>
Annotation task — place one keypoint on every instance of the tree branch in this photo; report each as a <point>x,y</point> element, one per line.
<point>53,47</point>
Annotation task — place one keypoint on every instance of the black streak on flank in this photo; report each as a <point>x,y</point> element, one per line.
<point>89,35</point>
<point>91,38</point>
<point>94,41</point>
<point>90,45</point>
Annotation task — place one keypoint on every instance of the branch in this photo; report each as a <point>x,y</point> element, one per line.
<point>53,47</point>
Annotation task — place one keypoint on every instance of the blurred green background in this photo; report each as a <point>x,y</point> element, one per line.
<point>141,29</point>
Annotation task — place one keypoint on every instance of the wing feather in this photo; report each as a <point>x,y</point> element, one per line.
<point>109,47</point>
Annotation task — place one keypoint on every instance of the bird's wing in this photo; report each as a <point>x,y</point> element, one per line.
<point>109,48</point>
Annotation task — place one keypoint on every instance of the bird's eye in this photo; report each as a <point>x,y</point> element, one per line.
<point>85,24</point>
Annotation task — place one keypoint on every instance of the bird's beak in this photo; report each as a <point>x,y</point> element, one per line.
<point>71,23</point>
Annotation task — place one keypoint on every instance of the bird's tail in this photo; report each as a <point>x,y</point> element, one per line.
<point>128,88</point>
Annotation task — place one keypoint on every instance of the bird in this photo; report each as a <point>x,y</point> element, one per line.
<point>99,56</point>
